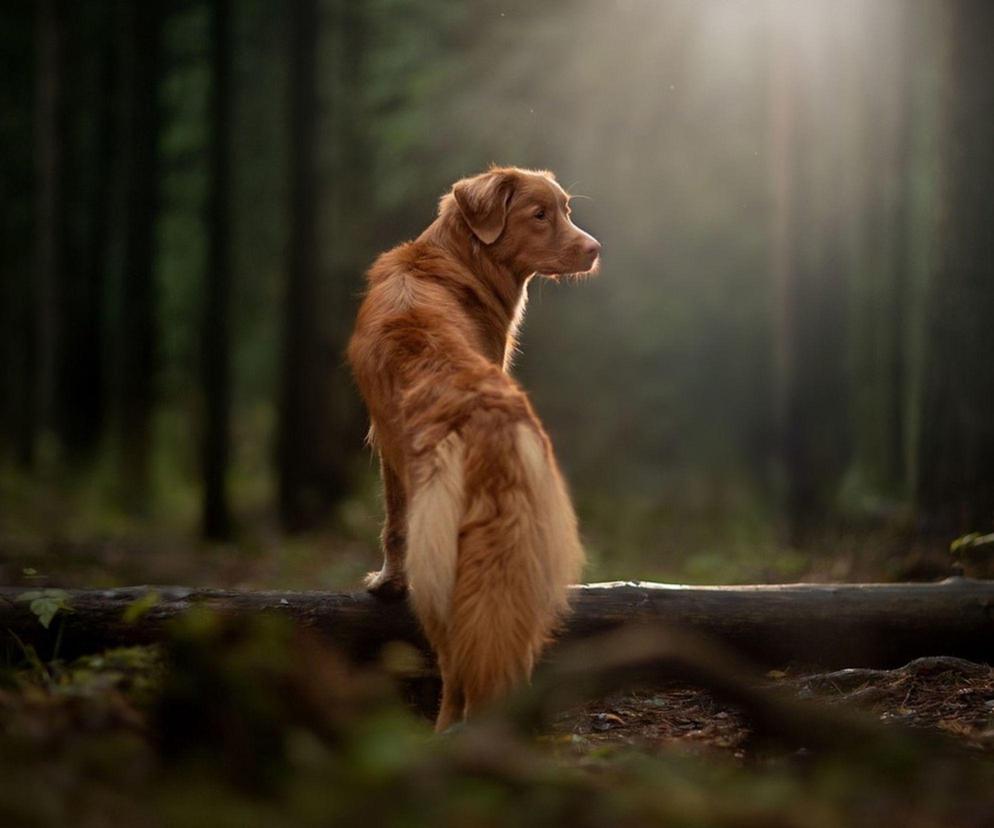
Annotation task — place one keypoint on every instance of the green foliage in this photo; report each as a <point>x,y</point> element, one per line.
<point>973,540</point>
<point>45,603</point>
<point>973,554</point>
<point>140,606</point>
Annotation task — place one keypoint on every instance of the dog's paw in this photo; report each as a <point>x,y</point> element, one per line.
<point>388,586</point>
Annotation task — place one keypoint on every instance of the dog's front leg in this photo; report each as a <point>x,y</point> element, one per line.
<point>390,582</point>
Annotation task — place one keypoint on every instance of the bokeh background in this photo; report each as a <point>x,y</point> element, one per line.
<point>784,370</point>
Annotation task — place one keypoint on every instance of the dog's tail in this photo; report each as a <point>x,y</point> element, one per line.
<point>492,547</point>
<point>434,515</point>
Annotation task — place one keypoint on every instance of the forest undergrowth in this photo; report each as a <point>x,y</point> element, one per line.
<point>259,724</point>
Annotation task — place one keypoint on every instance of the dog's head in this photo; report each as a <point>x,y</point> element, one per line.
<point>523,217</point>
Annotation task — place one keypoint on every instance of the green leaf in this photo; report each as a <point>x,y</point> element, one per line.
<point>45,609</point>
<point>971,541</point>
<point>46,603</point>
<point>960,542</point>
<point>137,608</point>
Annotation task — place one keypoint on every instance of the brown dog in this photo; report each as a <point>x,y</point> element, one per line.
<point>479,520</point>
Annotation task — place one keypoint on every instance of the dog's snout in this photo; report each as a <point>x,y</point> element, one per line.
<point>588,248</point>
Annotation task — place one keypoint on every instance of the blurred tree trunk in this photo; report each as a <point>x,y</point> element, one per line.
<point>216,337</point>
<point>882,218</point>
<point>955,480</point>
<point>91,419</point>
<point>782,105</point>
<point>40,356</point>
<point>815,438</point>
<point>17,244</point>
<point>299,425</point>
<point>810,271</point>
<point>138,316</point>
<point>90,120</point>
<point>352,210</point>
<point>895,471</point>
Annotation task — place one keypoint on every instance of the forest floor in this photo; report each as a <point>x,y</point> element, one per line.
<point>257,726</point>
<point>949,696</point>
<point>254,727</point>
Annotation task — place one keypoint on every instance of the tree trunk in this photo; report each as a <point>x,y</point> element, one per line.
<point>216,342</point>
<point>299,426</point>
<point>92,68</point>
<point>48,235</point>
<point>808,267</point>
<point>17,177</point>
<point>782,114</point>
<point>880,221</point>
<point>138,315</point>
<point>902,168</point>
<point>348,241</point>
<point>830,625</point>
<point>955,479</point>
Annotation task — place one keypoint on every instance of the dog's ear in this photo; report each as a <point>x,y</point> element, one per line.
<point>483,201</point>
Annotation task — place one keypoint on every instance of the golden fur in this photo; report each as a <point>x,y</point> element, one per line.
<point>479,521</point>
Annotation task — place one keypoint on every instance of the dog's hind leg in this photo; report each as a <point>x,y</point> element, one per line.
<point>390,583</point>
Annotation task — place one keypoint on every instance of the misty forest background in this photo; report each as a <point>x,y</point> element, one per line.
<point>784,369</point>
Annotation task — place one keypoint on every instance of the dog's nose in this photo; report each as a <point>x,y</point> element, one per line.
<point>591,246</point>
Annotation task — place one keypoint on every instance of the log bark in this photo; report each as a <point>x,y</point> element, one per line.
<point>829,625</point>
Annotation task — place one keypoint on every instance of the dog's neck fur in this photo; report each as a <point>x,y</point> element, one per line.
<point>490,291</point>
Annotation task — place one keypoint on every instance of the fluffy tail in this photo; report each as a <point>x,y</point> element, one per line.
<point>433,518</point>
<point>492,547</point>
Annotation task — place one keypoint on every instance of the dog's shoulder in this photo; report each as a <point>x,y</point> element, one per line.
<point>394,262</point>
<point>421,300</point>
<point>410,276</point>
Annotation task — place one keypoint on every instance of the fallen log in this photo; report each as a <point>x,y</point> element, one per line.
<point>829,625</point>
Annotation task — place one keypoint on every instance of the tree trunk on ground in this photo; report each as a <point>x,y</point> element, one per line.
<point>829,625</point>
<point>955,480</point>
<point>216,341</point>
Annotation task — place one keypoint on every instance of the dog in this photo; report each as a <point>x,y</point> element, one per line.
<point>479,521</point>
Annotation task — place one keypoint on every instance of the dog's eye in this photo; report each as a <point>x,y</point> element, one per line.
<point>540,215</point>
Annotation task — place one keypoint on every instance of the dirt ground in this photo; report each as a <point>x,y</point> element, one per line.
<point>946,696</point>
